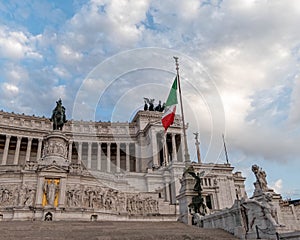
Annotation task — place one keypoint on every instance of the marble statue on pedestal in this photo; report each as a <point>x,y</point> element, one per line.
<point>50,189</point>
<point>261,184</point>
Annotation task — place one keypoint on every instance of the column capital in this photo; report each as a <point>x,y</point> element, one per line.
<point>19,138</point>
<point>8,136</point>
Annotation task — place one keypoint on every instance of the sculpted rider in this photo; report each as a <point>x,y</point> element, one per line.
<point>58,116</point>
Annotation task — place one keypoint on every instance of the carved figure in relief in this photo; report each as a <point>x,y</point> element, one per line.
<point>29,198</point>
<point>5,195</point>
<point>22,195</point>
<point>73,196</point>
<point>8,195</point>
<point>91,196</point>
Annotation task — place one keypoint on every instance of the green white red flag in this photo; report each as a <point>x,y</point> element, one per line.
<point>170,107</point>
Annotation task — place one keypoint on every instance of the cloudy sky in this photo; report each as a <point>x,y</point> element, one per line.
<point>239,68</point>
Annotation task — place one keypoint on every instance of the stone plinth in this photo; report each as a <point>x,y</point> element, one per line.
<point>185,197</point>
<point>55,149</point>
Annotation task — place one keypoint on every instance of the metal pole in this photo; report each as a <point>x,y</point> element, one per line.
<point>186,152</point>
<point>226,154</point>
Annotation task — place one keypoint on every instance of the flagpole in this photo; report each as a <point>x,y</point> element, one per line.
<point>186,151</point>
<point>225,149</point>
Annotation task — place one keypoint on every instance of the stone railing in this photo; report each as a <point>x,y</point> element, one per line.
<point>227,219</point>
<point>77,127</point>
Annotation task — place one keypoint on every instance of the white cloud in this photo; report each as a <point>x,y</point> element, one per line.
<point>277,186</point>
<point>294,112</point>
<point>16,45</point>
<point>11,89</point>
<point>67,54</point>
<point>61,72</point>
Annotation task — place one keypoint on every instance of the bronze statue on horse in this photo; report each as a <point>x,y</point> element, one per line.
<point>58,116</point>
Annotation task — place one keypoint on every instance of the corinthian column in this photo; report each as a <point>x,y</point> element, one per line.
<point>5,153</point>
<point>108,158</point>
<point>28,150</point>
<point>118,157</point>
<point>39,151</point>
<point>154,149</point>
<point>99,157</point>
<point>89,160</point>
<point>174,152</point>
<point>127,157</point>
<point>79,152</point>
<point>70,151</point>
<point>137,163</point>
<point>17,152</point>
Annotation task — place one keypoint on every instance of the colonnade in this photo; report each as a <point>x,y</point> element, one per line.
<point>167,148</point>
<point>96,155</point>
<point>111,156</point>
<point>105,158</point>
<point>16,158</point>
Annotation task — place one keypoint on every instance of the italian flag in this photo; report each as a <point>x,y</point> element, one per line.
<point>170,107</point>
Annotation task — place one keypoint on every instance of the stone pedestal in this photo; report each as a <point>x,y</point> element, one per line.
<point>185,197</point>
<point>55,150</point>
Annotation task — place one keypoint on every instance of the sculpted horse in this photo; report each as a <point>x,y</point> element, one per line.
<point>58,116</point>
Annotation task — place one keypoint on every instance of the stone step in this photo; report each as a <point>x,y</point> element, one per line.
<point>99,230</point>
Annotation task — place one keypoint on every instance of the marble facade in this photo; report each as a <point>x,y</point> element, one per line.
<point>99,170</point>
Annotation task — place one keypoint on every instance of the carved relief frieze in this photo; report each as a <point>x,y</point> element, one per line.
<point>8,195</point>
<point>108,199</point>
<point>26,195</point>
<point>31,165</point>
<point>55,148</point>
